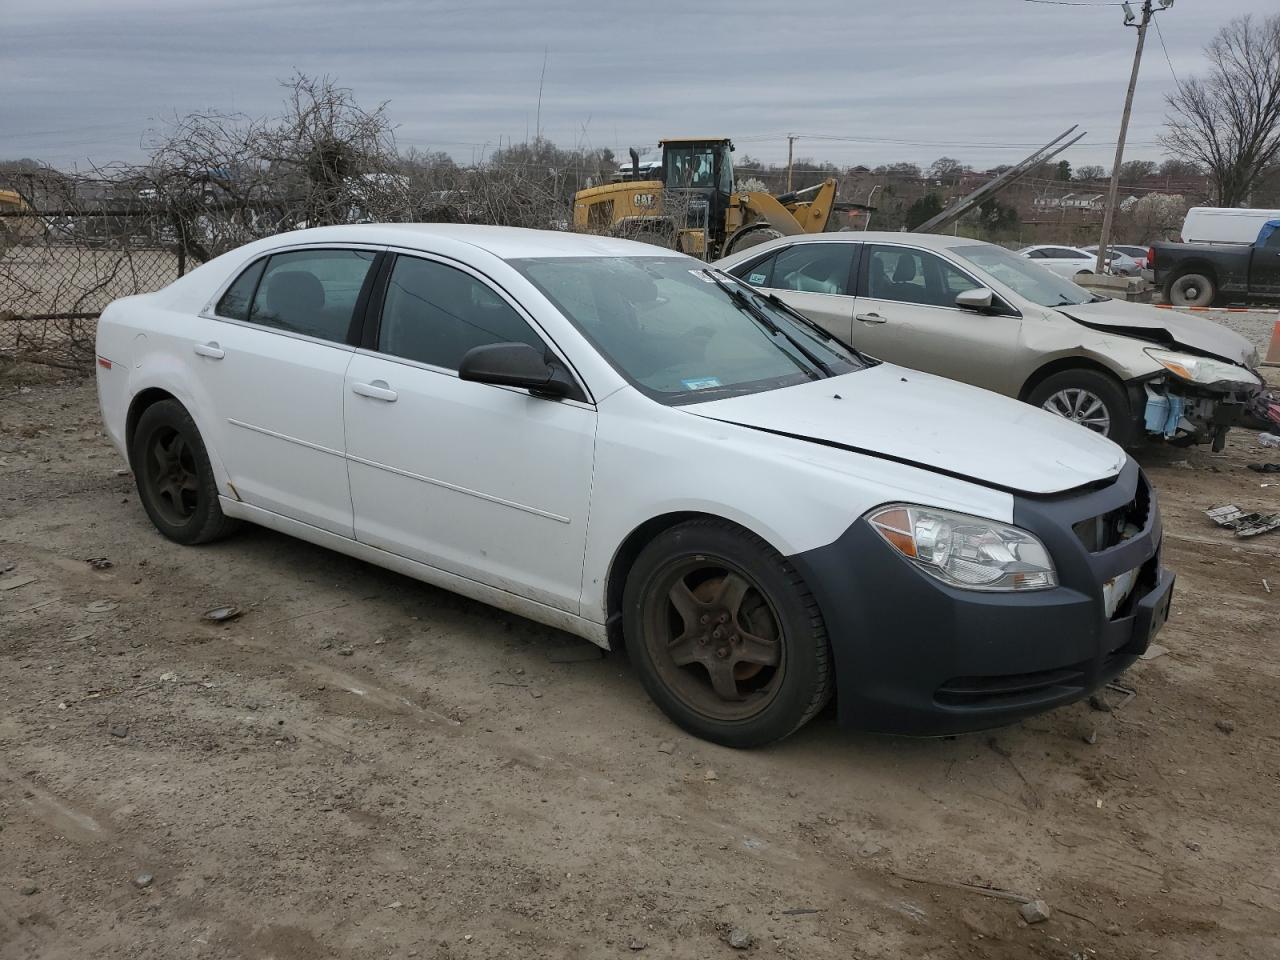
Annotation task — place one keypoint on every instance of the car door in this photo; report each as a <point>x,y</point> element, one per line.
<point>905,313</point>
<point>815,278</point>
<point>486,482</point>
<point>279,342</point>
<point>1264,268</point>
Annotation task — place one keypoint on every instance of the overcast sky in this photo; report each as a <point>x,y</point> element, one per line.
<point>979,80</point>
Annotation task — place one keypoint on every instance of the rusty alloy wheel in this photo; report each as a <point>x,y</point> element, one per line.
<point>171,475</point>
<point>714,638</point>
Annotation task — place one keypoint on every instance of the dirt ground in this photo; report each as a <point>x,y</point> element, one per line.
<point>363,766</point>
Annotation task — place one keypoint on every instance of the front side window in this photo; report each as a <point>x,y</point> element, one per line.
<point>434,314</point>
<point>666,326</point>
<point>312,292</point>
<point>908,275</point>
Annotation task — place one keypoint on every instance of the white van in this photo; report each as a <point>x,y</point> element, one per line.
<point>1224,224</point>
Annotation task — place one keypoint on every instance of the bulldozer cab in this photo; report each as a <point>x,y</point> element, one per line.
<point>697,178</point>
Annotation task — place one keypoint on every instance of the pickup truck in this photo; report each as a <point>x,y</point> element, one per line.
<point>1199,274</point>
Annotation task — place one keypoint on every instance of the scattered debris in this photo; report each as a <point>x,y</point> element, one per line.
<point>1091,737</point>
<point>870,849</point>
<point>101,606</point>
<point>1153,651</point>
<point>580,653</point>
<point>143,880</point>
<point>1113,930</point>
<point>1244,524</point>
<point>119,731</point>
<point>1264,467</point>
<point>6,565</point>
<point>800,911</point>
<point>1266,586</point>
<point>13,583</point>
<point>222,614</point>
<point>666,746</point>
<point>1181,464</point>
<point>168,677</point>
<point>99,563</point>
<point>1036,911</point>
<point>1226,726</point>
<point>740,939</point>
<point>710,775</point>
<point>28,889</point>
<point>1100,702</point>
<point>346,651</point>
<point>636,945</point>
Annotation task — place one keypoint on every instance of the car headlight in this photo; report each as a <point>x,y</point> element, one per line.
<point>1194,369</point>
<point>965,551</point>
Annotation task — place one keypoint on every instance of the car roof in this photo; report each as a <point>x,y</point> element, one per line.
<point>930,241</point>
<point>508,243</point>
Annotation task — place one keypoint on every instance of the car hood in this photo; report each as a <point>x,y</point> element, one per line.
<point>927,421</point>
<point>1167,327</point>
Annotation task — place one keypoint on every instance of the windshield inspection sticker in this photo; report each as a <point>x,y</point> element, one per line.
<point>757,278</point>
<point>701,384</point>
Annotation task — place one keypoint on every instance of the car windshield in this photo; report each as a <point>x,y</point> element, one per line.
<point>1025,277</point>
<point>683,333</point>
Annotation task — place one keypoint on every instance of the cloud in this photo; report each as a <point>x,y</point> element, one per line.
<point>977,80</point>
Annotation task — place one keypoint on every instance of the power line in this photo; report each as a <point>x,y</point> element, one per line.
<point>1166,52</point>
<point>1078,3</point>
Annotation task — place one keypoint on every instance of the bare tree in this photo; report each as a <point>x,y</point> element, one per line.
<point>1229,121</point>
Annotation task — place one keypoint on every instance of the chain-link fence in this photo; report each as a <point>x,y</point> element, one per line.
<point>68,247</point>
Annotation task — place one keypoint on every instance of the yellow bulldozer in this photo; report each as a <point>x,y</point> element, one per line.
<point>694,207</point>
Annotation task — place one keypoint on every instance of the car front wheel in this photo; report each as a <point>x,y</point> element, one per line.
<point>1094,400</point>
<point>726,637</point>
<point>175,482</point>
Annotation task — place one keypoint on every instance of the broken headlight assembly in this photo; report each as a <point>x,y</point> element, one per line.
<point>1202,370</point>
<point>965,551</point>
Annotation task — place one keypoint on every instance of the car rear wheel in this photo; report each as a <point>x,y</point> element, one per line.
<point>1094,400</point>
<point>174,478</point>
<point>1192,290</point>
<point>726,637</point>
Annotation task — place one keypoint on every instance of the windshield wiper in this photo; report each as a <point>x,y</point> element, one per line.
<point>813,325</point>
<point>741,300</point>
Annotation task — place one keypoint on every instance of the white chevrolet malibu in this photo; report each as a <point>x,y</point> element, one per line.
<point>627,445</point>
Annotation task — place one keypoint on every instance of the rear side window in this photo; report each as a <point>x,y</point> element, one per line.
<point>312,292</point>
<point>814,268</point>
<point>235,302</point>
<point>434,314</point>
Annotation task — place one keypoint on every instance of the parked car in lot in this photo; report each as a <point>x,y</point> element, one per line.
<point>630,446</point>
<point>1200,274</point>
<point>975,312</point>
<point>1122,261</point>
<point>1064,261</point>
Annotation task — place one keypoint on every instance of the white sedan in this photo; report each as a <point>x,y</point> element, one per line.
<point>623,443</point>
<point>1068,262</point>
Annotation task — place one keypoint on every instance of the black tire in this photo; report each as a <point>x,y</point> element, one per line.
<point>751,236</point>
<point>175,482</point>
<point>773,615</point>
<point>1191,290</point>
<point>1058,393</point>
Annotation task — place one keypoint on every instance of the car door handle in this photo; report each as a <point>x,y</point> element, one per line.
<point>870,318</point>
<point>378,390</point>
<point>210,350</point>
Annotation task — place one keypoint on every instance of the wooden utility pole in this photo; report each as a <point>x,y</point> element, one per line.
<point>791,143</point>
<point>1109,213</point>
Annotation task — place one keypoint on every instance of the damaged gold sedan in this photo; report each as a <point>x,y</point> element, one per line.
<point>983,315</point>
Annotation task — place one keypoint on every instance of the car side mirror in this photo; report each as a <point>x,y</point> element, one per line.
<point>977,299</point>
<point>516,365</point>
